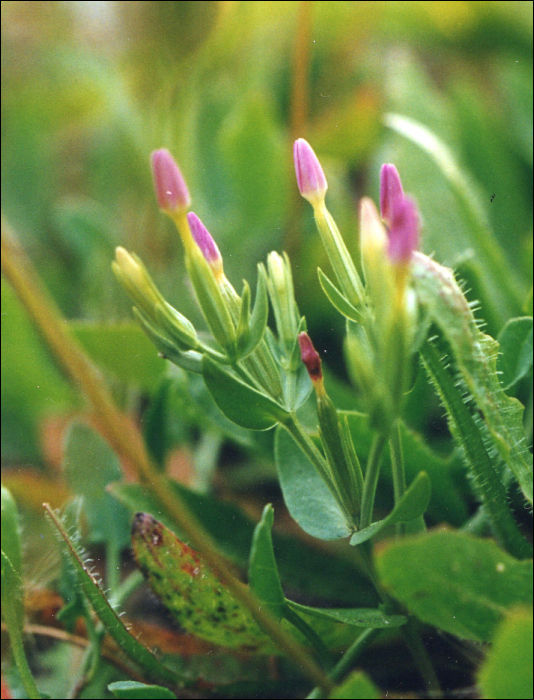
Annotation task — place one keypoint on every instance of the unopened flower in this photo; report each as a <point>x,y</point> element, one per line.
<point>310,357</point>
<point>310,176</point>
<point>399,214</point>
<point>171,191</point>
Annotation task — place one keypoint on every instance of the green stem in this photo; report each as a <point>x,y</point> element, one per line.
<point>310,634</point>
<point>125,589</point>
<point>399,481</point>
<point>21,662</point>
<point>422,659</point>
<point>371,479</point>
<point>349,657</point>
<point>465,430</point>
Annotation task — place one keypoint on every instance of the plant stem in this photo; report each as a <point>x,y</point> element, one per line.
<point>421,658</point>
<point>126,439</point>
<point>349,657</point>
<point>113,564</point>
<point>311,635</point>
<point>21,662</point>
<point>371,479</point>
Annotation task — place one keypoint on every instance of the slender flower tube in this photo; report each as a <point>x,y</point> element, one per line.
<point>400,215</point>
<point>171,191</point>
<point>205,242</point>
<point>310,176</point>
<point>312,185</point>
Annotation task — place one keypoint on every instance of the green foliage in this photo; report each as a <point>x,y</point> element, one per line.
<point>240,402</point>
<point>507,670</point>
<point>357,685</point>
<point>263,575</point>
<point>458,583</point>
<point>515,344</point>
<point>130,690</point>
<point>370,618</point>
<point>305,492</point>
<point>190,591</point>
<point>11,544</point>
<point>411,506</point>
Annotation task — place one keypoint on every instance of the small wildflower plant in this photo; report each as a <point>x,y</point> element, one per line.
<point>400,307</point>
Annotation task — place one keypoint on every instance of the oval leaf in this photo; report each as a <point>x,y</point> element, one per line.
<point>238,401</point>
<point>458,583</point>
<point>411,506</point>
<point>306,496</point>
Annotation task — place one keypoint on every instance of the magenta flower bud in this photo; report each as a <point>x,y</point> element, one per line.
<point>310,176</point>
<point>310,357</point>
<point>403,231</point>
<point>171,191</point>
<point>204,240</point>
<point>391,192</point>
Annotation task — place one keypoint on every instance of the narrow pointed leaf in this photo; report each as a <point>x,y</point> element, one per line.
<point>337,299</point>
<point>356,617</point>
<point>133,690</point>
<point>239,402</point>
<point>243,332</point>
<point>411,506</point>
<point>262,571</point>
<point>10,531</point>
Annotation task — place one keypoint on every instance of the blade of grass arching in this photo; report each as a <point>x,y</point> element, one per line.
<point>109,618</point>
<point>126,439</point>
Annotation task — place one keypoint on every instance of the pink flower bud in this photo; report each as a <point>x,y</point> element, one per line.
<point>400,215</point>
<point>391,192</point>
<point>171,191</point>
<point>310,176</point>
<point>204,240</point>
<point>403,231</point>
<point>310,357</point>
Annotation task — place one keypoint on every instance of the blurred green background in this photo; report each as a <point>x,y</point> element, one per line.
<point>91,88</point>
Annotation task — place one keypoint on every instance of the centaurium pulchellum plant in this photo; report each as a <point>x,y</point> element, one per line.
<point>260,378</point>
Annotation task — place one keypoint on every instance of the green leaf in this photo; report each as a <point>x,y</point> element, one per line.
<point>263,575</point>
<point>90,465</point>
<point>258,320</point>
<point>308,499</point>
<point>458,583</point>
<point>475,355</point>
<point>356,617</point>
<point>10,531</point>
<point>13,614</point>
<point>515,360</point>
<point>337,299</point>
<point>109,618</point>
<point>356,686</point>
<point>411,506</point>
<point>239,402</point>
<point>302,568</point>
<point>190,591</point>
<point>133,690</point>
<point>507,670</point>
